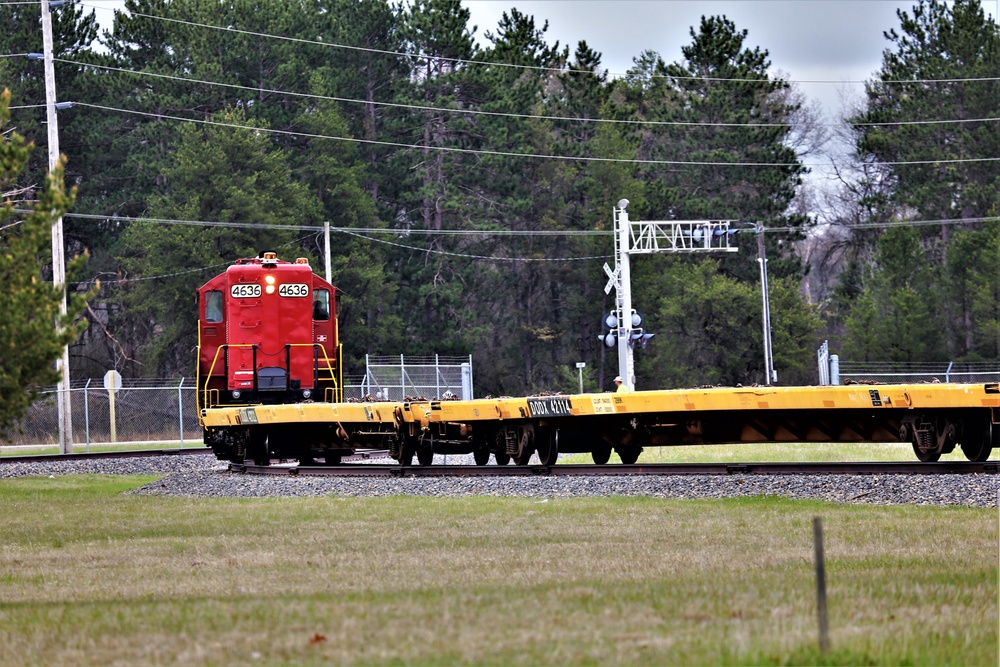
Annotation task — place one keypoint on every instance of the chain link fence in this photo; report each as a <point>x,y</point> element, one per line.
<point>398,378</point>
<point>165,411</point>
<point>901,373</point>
<point>833,370</point>
<point>145,411</point>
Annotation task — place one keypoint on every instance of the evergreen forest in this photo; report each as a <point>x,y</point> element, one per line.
<point>469,180</point>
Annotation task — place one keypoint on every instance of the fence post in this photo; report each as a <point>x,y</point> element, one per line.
<point>437,377</point>
<point>180,411</point>
<point>86,412</point>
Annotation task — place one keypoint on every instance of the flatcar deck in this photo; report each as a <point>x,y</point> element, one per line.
<point>933,417</point>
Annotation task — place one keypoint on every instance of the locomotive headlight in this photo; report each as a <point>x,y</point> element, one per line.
<point>306,393</point>
<point>269,289</point>
<point>236,395</point>
<point>270,280</point>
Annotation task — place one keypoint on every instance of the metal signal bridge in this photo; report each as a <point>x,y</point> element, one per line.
<point>647,237</point>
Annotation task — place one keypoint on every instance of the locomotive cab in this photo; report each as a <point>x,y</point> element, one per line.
<point>267,334</point>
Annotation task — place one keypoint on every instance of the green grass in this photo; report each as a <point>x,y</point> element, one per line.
<point>41,450</point>
<point>779,452</point>
<point>92,576</point>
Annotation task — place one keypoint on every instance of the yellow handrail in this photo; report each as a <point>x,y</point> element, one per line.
<point>337,384</point>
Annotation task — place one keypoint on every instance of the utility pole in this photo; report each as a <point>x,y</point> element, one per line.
<point>58,252</point>
<point>762,260</point>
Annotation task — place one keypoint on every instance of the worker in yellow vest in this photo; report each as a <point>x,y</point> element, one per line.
<point>622,388</point>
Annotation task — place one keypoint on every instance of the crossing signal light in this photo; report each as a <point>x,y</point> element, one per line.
<point>640,338</point>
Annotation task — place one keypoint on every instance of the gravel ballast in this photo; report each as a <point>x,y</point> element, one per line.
<point>197,476</point>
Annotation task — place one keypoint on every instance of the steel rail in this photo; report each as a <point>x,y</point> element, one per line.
<point>589,469</point>
<point>84,456</point>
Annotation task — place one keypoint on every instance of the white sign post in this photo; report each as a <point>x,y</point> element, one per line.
<point>112,382</point>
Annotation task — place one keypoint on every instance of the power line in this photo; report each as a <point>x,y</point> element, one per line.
<point>201,269</point>
<point>542,68</point>
<point>468,256</point>
<point>477,112</point>
<point>452,149</point>
<point>471,151</point>
<point>495,232</point>
<point>359,230</point>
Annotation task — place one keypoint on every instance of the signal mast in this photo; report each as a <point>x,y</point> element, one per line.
<point>647,237</point>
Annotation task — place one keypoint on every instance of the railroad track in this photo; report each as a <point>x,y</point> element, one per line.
<point>86,456</point>
<point>377,470</point>
<point>359,455</point>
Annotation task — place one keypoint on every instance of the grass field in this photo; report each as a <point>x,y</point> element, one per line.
<point>755,452</point>
<point>91,576</point>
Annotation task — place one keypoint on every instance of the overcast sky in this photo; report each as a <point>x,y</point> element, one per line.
<point>835,41</point>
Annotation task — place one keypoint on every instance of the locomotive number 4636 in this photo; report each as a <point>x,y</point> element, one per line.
<point>245,291</point>
<point>294,289</point>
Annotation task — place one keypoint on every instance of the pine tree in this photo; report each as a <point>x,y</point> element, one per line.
<point>32,330</point>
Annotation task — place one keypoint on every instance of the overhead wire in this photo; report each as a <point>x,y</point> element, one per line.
<point>508,154</point>
<point>479,112</point>
<point>542,156</point>
<point>543,68</point>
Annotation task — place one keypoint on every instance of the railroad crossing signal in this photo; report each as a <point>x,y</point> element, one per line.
<point>614,278</point>
<point>613,325</point>
<point>649,237</point>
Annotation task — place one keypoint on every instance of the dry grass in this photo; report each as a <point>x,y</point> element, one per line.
<point>92,577</point>
<point>779,452</point>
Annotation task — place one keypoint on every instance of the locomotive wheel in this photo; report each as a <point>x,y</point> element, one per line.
<point>425,453</point>
<point>602,454</point>
<point>629,455</point>
<point>482,456</point>
<point>548,447</point>
<point>524,457</point>
<point>977,441</point>
<point>502,458</point>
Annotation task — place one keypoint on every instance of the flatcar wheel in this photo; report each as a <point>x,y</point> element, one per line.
<point>425,453</point>
<point>406,455</point>
<point>548,448</point>
<point>502,458</point>
<point>924,456</point>
<point>258,448</point>
<point>602,454</point>
<point>977,441</point>
<point>629,455</point>
<point>481,456</point>
<point>240,454</point>
<point>524,457</point>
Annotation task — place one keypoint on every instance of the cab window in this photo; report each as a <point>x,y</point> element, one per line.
<point>321,304</point>
<point>213,306</point>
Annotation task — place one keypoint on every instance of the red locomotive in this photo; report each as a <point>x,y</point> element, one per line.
<point>267,333</point>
